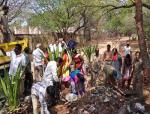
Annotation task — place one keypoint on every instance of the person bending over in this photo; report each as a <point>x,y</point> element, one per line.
<point>41,92</point>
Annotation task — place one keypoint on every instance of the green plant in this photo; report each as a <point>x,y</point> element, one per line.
<point>88,51</point>
<point>10,86</point>
<point>49,53</point>
<point>53,56</point>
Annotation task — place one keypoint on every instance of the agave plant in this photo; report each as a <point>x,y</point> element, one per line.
<point>49,53</point>
<point>88,51</point>
<point>10,86</point>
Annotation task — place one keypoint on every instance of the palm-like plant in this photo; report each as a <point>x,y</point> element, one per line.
<point>53,55</point>
<point>88,51</point>
<point>11,87</point>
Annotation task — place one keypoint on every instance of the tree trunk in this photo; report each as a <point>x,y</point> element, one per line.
<point>5,29</point>
<point>141,38</point>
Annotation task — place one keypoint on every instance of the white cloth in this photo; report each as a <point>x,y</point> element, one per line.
<point>16,62</point>
<point>39,90</point>
<point>55,47</point>
<point>51,46</point>
<point>60,47</point>
<point>38,57</point>
<point>50,74</point>
<point>127,50</point>
<point>11,54</point>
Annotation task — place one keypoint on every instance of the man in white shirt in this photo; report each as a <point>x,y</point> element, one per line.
<point>52,47</point>
<point>40,93</point>
<point>51,75</point>
<point>61,46</point>
<point>17,60</point>
<point>127,49</point>
<point>38,60</point>
<point>50,80</point>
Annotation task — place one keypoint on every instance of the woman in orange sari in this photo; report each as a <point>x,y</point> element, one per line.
<point>65,68</point>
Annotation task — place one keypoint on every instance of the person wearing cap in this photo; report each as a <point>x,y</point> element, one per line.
<point>38,60</point>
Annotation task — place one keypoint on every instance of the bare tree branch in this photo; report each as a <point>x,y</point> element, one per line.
<point>146,6</point>
<point>117,7</point>
<point>15,8</point>
<point>18,11</point>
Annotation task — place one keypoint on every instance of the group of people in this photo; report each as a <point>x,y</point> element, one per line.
<point>50,75</point>
<point>123,65</point>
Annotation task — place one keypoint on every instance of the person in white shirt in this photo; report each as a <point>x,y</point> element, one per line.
<point>40,93</point>
<point>38,61</point>
<point>17,60</point>
<point>127,49</point>
<point>51,81</point>
<point>52,47</point>
<point>61,46</point>
<point>51,75</point>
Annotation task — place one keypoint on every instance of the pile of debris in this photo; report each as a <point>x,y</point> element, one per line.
<point>105,100</point>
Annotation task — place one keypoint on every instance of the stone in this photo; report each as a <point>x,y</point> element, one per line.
<point>85,112</point>
<point>123,110</point>
<point>71,97</point>
<point>139,107</point>
<point>92,109</point>
<point>27,99</point>
<point>107,99</point>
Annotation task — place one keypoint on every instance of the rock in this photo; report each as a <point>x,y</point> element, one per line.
<point>139,107</point>
<point>27,99</point>
<point>92,109</point>
<point>123,110</point>
<point>107,99</point>
<point>85,112</point>
<point>71,97</point>
<point>75,108</point>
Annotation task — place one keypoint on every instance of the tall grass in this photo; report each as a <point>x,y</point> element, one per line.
<point>10,86</point>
